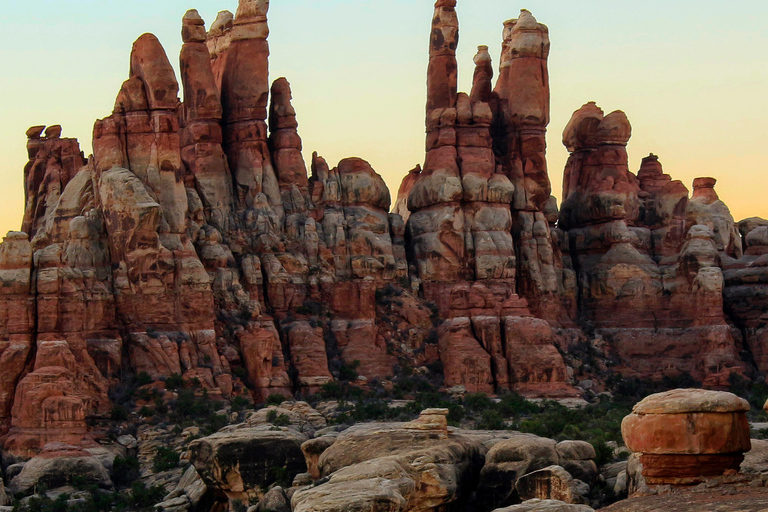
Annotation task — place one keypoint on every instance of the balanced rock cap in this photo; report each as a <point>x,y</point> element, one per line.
<point>682,401</point>
<point>193,27</point>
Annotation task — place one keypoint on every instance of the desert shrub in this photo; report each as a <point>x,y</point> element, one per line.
<point>491,420</point>
<point>125,470</point>
<point>240,403</point>
<point>165,458</point>
<point>143,497</point>
<point>118,413</point>
<point>280,475</point>
<point>478,402</point>
<point>278,420</point>
<point>175,381</point>
<point>348,372</point>
<point>756,393</point>
<point>275,399</point>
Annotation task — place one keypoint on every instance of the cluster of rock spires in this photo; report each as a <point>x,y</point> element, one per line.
<point>194,242</point>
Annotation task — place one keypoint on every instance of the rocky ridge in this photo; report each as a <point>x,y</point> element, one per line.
<point>194,243</point>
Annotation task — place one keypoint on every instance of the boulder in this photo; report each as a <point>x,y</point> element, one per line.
<point>274,500</point>
<point>684,435</point>
<point>756,459</point>
<point>419,463</point>
<point>507,461</point>
<point>552,482</point>
<point>238,461</point>
<point>59,465</point>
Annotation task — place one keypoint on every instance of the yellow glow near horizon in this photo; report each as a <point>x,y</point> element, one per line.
<point>691,78</point>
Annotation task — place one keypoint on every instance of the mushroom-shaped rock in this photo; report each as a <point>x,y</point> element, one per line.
<point>684,435</point>
<point>704,189</point>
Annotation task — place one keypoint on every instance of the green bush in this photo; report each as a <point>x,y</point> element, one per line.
<point>478,402</point>
<point>756,393</point>
<point>491,420</point>
<point>240,403</point>
<point>275,399</point>
<point>175,381</point>
<point>349,372</point>
<point>125,470</point>
<point>166,458</point>
<point>118,413</point>
<point>143,497</point>
<point>278,420</point>
<point>139,499</point>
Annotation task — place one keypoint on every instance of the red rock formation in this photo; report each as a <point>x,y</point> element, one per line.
<point>685,435</point>
<point>53,161</point>
<point>17,317</point>
<point>641,264</point>
<point>194,242</point>
<point>663,203</point>
<point>464,213</point>
<point>745,296</point>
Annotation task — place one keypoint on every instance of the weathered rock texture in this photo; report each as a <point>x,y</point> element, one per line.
<point>482,246</point>
<point>195,242</point>
<point>685,435</point>
<point>649,259</point>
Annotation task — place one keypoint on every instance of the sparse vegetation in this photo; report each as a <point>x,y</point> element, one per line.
<point>165,458</point>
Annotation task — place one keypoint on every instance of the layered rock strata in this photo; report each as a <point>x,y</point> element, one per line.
<point>649,259</point>
<point>195,242</point>
<point>476,227</point>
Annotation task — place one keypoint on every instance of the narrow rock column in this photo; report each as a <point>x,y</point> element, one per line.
<point>482,86</point>
<point>285,143</point>
<point>17,316</point>
<point>442,75</point>
<point>244,97</point>
<point>523,90</point>
<point>201,138</point>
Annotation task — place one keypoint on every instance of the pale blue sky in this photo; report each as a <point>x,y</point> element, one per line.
<point>691,75</point>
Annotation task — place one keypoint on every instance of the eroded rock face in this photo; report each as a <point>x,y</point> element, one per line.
<point>416,466</point>
<point>195,242</point>
<point>509,460</point>
<point>685,435</point>
<point>650,262</point>
<point>239,461</point>
<point>473,213</point>
<point>191,243</point>
<point>59,465</point>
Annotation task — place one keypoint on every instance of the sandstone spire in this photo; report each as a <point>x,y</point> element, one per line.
<point>243,65</point>
<point>245,81</point>
<point>523,91</point>
<point>284,140</point>
<point>442,74</point>
<point>201,141</point>
<point>482,81</point>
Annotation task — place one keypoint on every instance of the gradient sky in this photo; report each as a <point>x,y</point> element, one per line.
<point>691,75</point>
